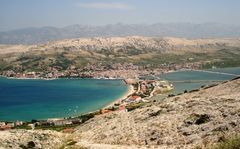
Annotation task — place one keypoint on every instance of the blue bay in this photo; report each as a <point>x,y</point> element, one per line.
<point>42,99</point>
<point>197,75</point>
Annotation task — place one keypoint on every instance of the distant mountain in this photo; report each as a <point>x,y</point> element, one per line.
<point>186,30</point>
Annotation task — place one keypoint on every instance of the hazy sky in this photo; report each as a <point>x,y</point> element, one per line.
<point>37,13</point>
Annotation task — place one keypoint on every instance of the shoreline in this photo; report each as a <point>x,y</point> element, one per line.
<point>107,78</point>
<point>47,79</point>
<point>129,92</point>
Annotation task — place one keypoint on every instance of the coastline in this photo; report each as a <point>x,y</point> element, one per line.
<point>129,92</point>
<point>40,78</point>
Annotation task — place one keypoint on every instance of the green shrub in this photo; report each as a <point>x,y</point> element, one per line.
<point>231,143</point>
<point>134,106</point>
<point>86,117</point>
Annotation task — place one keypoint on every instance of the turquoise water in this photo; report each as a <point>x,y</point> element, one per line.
<point>196,75</point>
<point>42,99</point>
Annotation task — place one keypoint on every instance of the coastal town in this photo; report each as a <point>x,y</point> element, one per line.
<point>100,71</point>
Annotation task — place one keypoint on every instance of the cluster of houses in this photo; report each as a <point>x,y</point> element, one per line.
<point>62,122</point>
<point>136,96</point>
<point>115,70</point>
<point>143,89</point>
<point>56,122</point>
<point>35,123</point>
<point>147,88</point>
<point>10,125</point>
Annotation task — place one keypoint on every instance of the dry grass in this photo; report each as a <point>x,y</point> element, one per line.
<point>230,143</point>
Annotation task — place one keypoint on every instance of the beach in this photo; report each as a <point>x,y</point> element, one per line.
<point>129,92</point>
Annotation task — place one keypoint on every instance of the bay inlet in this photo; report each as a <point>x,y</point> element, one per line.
<point>26,99</point>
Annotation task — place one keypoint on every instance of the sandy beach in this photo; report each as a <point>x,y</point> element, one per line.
<point>118,100</point>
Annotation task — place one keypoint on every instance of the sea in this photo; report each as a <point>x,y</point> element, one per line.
<point>26,99</point>
<point>206,77</point>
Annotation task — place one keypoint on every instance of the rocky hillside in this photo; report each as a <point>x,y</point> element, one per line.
<point>144,44</point>
<point>117,44</point>
<point>189,120</point>
<point>135,49</point>
<point>18,139</point>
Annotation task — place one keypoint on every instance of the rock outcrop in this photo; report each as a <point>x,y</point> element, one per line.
<point>19,139</point>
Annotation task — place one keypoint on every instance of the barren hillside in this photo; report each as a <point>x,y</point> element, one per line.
<point>135,49</point>
<point>18,139</point>
<point>128,43</point>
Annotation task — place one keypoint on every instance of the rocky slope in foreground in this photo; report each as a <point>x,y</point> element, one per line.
<point>185,121</point>
<point>18,139</point>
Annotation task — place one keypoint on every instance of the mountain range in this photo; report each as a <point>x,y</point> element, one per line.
<point>183,30</point>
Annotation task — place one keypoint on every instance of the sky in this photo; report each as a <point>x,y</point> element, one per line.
<point>15,14</point>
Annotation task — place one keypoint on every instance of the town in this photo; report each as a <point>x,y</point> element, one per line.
<point>100,71</point>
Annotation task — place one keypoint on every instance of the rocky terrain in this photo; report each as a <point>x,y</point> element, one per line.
<point>133,49</point>
<point>18,139</point>
<point>143,44</point>
<point>198,118</point>
<point>128,43</point>
<point>189,120</point>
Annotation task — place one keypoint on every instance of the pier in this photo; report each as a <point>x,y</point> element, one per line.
<point>195,81</point>
<point>215,72</point>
